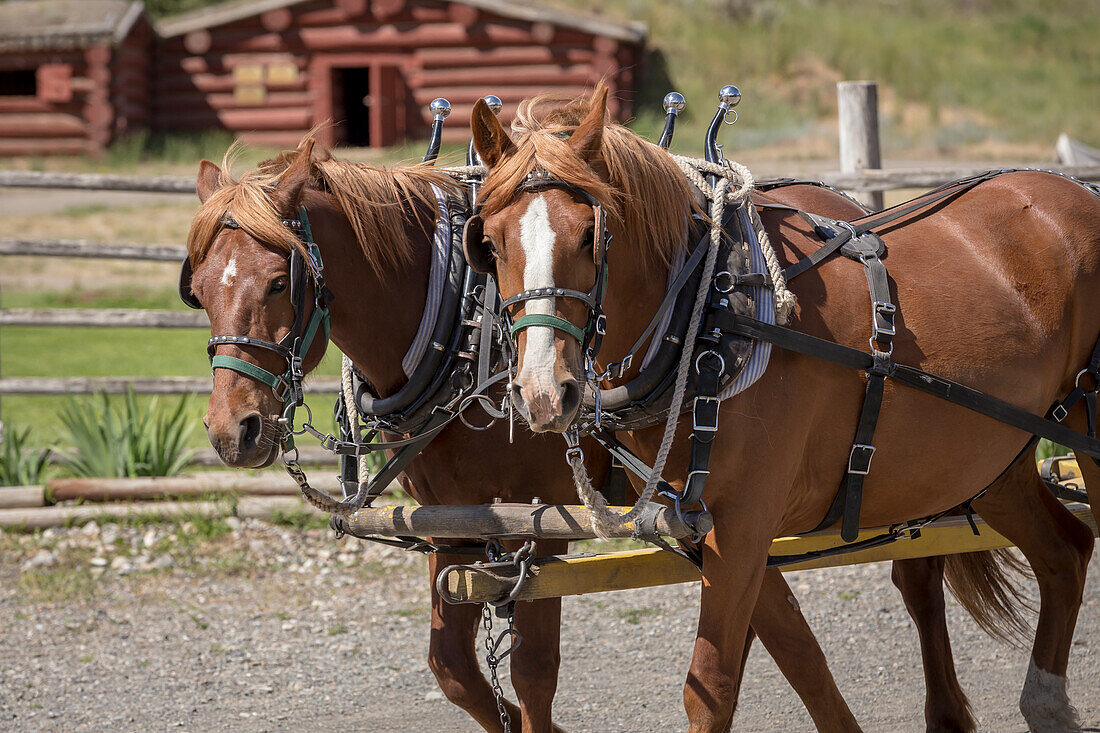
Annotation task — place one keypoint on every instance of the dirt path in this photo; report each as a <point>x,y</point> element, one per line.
<point>262,628</point>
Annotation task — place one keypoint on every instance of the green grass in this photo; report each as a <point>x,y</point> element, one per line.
<point>156,298</point>
<point>116,352</point>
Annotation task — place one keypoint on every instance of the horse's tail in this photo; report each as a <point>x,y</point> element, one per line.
<point>986,585</point>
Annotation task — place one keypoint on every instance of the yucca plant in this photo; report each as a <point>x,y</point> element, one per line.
<point>126,438</point>
<point>21,465</point>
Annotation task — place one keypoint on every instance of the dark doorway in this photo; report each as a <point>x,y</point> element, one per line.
<point>21,83</point>
<point>353,90</point>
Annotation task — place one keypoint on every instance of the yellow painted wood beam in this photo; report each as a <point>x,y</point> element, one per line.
<point>577,575</point>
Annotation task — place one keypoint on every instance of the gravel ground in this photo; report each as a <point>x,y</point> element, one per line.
<point>254,627</point>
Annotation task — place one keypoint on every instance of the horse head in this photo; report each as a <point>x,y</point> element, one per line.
<point>552,202</point>
<point>247,267</point>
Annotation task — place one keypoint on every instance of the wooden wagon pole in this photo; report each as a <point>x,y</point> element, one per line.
<point>506,521</point>
<point>576,575</point>
<point>857,109</point>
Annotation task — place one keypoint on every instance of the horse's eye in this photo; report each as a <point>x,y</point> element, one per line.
<point>278,285</point>
<point>588,241</point>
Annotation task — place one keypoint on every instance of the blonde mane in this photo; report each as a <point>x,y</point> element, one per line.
<point>645,194</point>
<point>378,202</point>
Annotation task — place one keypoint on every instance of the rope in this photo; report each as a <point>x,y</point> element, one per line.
<point>604,519</point>
<point>693,169</point>
<point>348,391</point>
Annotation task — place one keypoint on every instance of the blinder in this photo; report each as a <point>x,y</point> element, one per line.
<point>186,294</point>
<point>474,246</point>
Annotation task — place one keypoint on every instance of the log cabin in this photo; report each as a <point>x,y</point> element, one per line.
<point>269,70</point>
<point>73,74</point>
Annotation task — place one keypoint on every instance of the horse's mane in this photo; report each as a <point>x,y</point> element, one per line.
<point>645,193</point>
<point>377,201</point>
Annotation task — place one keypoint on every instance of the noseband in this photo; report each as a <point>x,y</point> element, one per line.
<point>590,337</point>
<point>293,347</point>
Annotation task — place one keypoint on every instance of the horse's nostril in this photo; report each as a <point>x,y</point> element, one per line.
<point>251,427</point>
<point>570,397</point>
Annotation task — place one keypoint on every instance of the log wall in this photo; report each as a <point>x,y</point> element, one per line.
<point>273,76</point>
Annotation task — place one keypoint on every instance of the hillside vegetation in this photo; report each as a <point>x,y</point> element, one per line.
<point>965,77</point>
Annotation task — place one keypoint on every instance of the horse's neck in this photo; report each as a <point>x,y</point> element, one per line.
<point>375,316</point>
<point>635,288</point>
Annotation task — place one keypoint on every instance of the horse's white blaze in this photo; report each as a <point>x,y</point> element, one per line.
<point>537,239</point>
<point>230,271</point>
<point>1045,704</point>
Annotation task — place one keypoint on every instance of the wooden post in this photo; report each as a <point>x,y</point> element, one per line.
<point>857,106</point>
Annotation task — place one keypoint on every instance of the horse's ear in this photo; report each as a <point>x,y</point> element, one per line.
<point>208,181</point>
<point>288,191</point>
<point>587,139</point>
<point>490,140</point>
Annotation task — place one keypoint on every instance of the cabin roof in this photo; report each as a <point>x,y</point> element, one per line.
<point>216,15</point>
<point>31,25</point>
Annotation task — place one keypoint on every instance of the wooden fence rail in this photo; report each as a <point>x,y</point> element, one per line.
<point>120,385</point>
<point>97,182</point>
<point>865,180</point>
<point>84,248</point>
<point>103,318</point>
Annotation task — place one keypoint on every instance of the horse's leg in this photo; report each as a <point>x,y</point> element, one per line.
<point>1058,547</point>
<point>784,632</point>
<point>452,656</point>
<point>921,584</point>
<point>733,570</point>
<point>535,661</point>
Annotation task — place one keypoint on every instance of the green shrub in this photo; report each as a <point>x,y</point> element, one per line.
<point>20,465</point>
<point>125,437</point>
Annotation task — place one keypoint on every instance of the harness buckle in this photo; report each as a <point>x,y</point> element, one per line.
<point>600,326</point>
<point>705,419</point>
<point>1059,413</point>
<point>859,460</point>
<point>887,311</point>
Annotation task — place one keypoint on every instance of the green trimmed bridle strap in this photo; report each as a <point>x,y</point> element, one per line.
<point>544,319</point>
<point>278,384</point>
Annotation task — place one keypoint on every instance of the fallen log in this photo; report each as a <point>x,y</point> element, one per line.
<point>504,521</point>
<point>553,577</point>
<point>12,497</point>
<point>199,484</point>
<point>57,516</point>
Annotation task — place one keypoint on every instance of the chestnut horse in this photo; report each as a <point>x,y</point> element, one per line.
<point>374,228</point>
<point>998,288</point>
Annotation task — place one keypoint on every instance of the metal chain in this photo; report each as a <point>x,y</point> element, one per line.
<point>493,660</point>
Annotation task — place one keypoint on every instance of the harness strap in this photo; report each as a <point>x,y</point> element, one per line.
<point>547,319</point>
<point>278,384</point>
<point>1061,410</point>
<point>890,215</point>
<point>616,369</point>
<point>959,394</point>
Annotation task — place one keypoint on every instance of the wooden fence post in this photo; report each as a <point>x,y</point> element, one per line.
<point>857,105</point>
